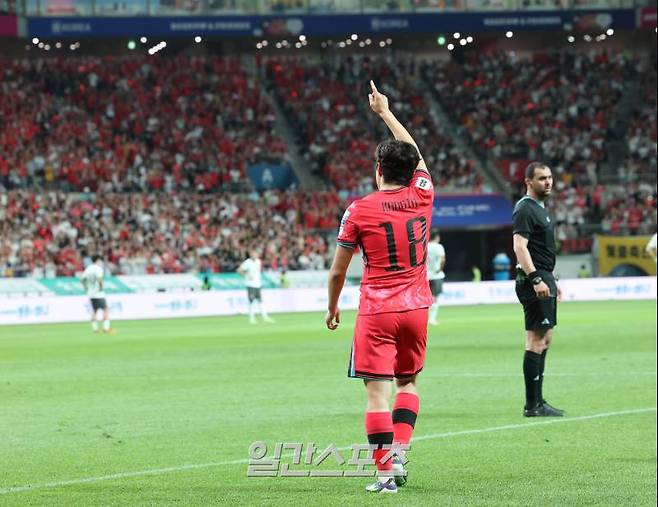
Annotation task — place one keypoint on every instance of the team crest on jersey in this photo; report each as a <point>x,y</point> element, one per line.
<point>423,183</point>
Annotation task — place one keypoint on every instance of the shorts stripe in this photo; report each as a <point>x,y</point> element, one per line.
<point>351,372</point>
<point>371,376</point>
<point>404,375</point>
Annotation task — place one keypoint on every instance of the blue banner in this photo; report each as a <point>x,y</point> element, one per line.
<point>282,26</point>
<point>138,26</point>
<point>477,211</point>
<point>267,176</point>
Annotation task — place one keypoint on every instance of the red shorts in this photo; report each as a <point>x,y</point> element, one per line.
<point>388,345</point>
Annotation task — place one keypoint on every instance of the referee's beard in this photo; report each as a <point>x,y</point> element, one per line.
<point>540,192</point>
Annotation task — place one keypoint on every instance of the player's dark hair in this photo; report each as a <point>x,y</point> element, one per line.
<point>435,235</point>
<point>397,160</point>
<point>95,257</point>
<point>530,170</point>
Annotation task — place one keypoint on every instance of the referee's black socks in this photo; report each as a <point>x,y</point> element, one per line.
<point>540,393</point>
<point>532,366</point>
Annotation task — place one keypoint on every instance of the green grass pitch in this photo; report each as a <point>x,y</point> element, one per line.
<point>163,412</point>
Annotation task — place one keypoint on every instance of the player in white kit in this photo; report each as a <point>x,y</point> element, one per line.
<point>92,281</point>
<point>436,260</point>
<point>251,270</point>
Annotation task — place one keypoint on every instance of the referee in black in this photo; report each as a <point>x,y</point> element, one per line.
<point>536,288</point>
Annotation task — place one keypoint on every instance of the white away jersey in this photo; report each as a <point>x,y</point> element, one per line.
<point>94,278</point>
<point>252,270</point>
<point>435,255</point>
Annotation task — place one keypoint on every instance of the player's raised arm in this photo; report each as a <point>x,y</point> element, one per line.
<point>379,104</point>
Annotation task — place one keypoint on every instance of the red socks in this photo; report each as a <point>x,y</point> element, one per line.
<point>379,428</point>
<point>383,428</point>
<point>405,412</point>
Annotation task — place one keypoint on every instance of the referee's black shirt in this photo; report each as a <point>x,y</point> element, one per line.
<point>531,220</point>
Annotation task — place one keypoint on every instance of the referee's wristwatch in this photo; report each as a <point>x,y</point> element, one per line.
<point>535,278</point>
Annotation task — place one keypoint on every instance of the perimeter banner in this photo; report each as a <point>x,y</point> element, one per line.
<point>327,25</point>
<point>624,256</point>
<point>35,310</point>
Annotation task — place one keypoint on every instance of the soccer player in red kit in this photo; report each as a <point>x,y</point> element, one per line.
<point>391,226</point>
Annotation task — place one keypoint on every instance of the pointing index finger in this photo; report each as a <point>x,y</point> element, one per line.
<point>374,88</point>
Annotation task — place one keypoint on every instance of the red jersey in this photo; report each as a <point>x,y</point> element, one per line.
<point>392,229</point>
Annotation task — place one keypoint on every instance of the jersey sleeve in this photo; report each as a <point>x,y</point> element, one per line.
<point>348,233</point>
<point>522,222</point>
<point>421,185</point>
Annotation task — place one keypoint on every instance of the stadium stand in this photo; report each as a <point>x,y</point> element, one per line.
<point>133,124</point>
<point>50,234</point>
<point>560,107</point>
<point>324,100</point>
<point>555,106</point>
<point>631,201</point>
<point>145,159</point>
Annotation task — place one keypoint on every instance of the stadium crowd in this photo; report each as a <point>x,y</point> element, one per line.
<point>640,164</point>
<point>133,124</point>
<point>631,208</point>
<point>555,106</point>
<point>144,160</point>
<point>325,101</point>
<point>50,234</point>
<point>629,205</point>
<point>560,107</point>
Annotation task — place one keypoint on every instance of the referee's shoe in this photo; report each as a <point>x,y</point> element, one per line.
<point>543,409</point>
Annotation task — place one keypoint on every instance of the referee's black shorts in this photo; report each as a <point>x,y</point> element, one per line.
<point>540,314</point>
<point>98,304</point>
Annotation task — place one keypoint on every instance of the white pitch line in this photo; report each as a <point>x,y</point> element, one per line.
<point>182,468</point>
<point>534,423</point>
<point>119,475</point>
<point>548,375</point>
